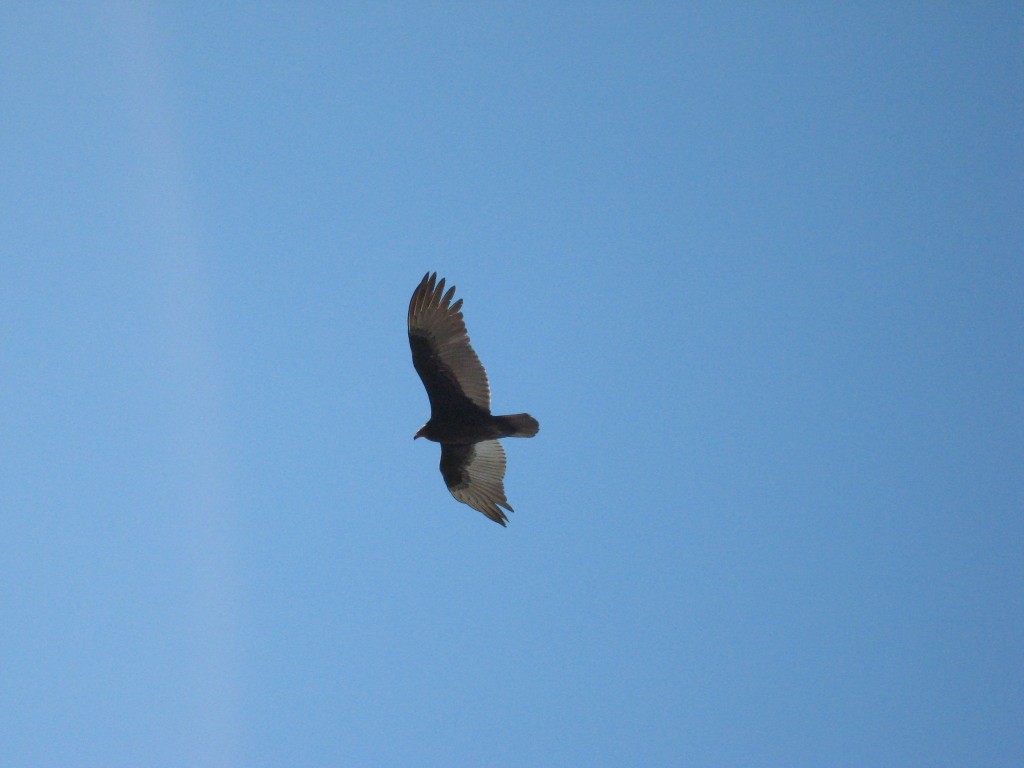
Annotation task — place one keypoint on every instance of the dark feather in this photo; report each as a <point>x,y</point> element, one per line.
<point>474,474</point>
<point>442,354</point>
<point>472,459</point>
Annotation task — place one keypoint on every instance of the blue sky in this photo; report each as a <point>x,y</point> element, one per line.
<point>758,273</point>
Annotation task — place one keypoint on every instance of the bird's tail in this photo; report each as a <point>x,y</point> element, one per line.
<point>518,425</point>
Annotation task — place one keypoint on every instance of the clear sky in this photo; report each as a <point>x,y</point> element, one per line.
<point>759,273</point>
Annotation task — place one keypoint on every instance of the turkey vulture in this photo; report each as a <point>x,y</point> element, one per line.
<point>472,459</point>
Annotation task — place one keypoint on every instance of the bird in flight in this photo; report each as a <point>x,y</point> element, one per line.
<point>472,459</point>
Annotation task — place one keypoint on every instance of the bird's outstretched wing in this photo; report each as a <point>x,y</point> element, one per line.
<point>474,475</point>
<point>450,370</point>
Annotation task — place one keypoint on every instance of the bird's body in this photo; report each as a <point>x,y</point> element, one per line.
<point>472,459</point>
<point>478,427</point>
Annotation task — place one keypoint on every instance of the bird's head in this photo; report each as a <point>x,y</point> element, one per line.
<point>421,433</point>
